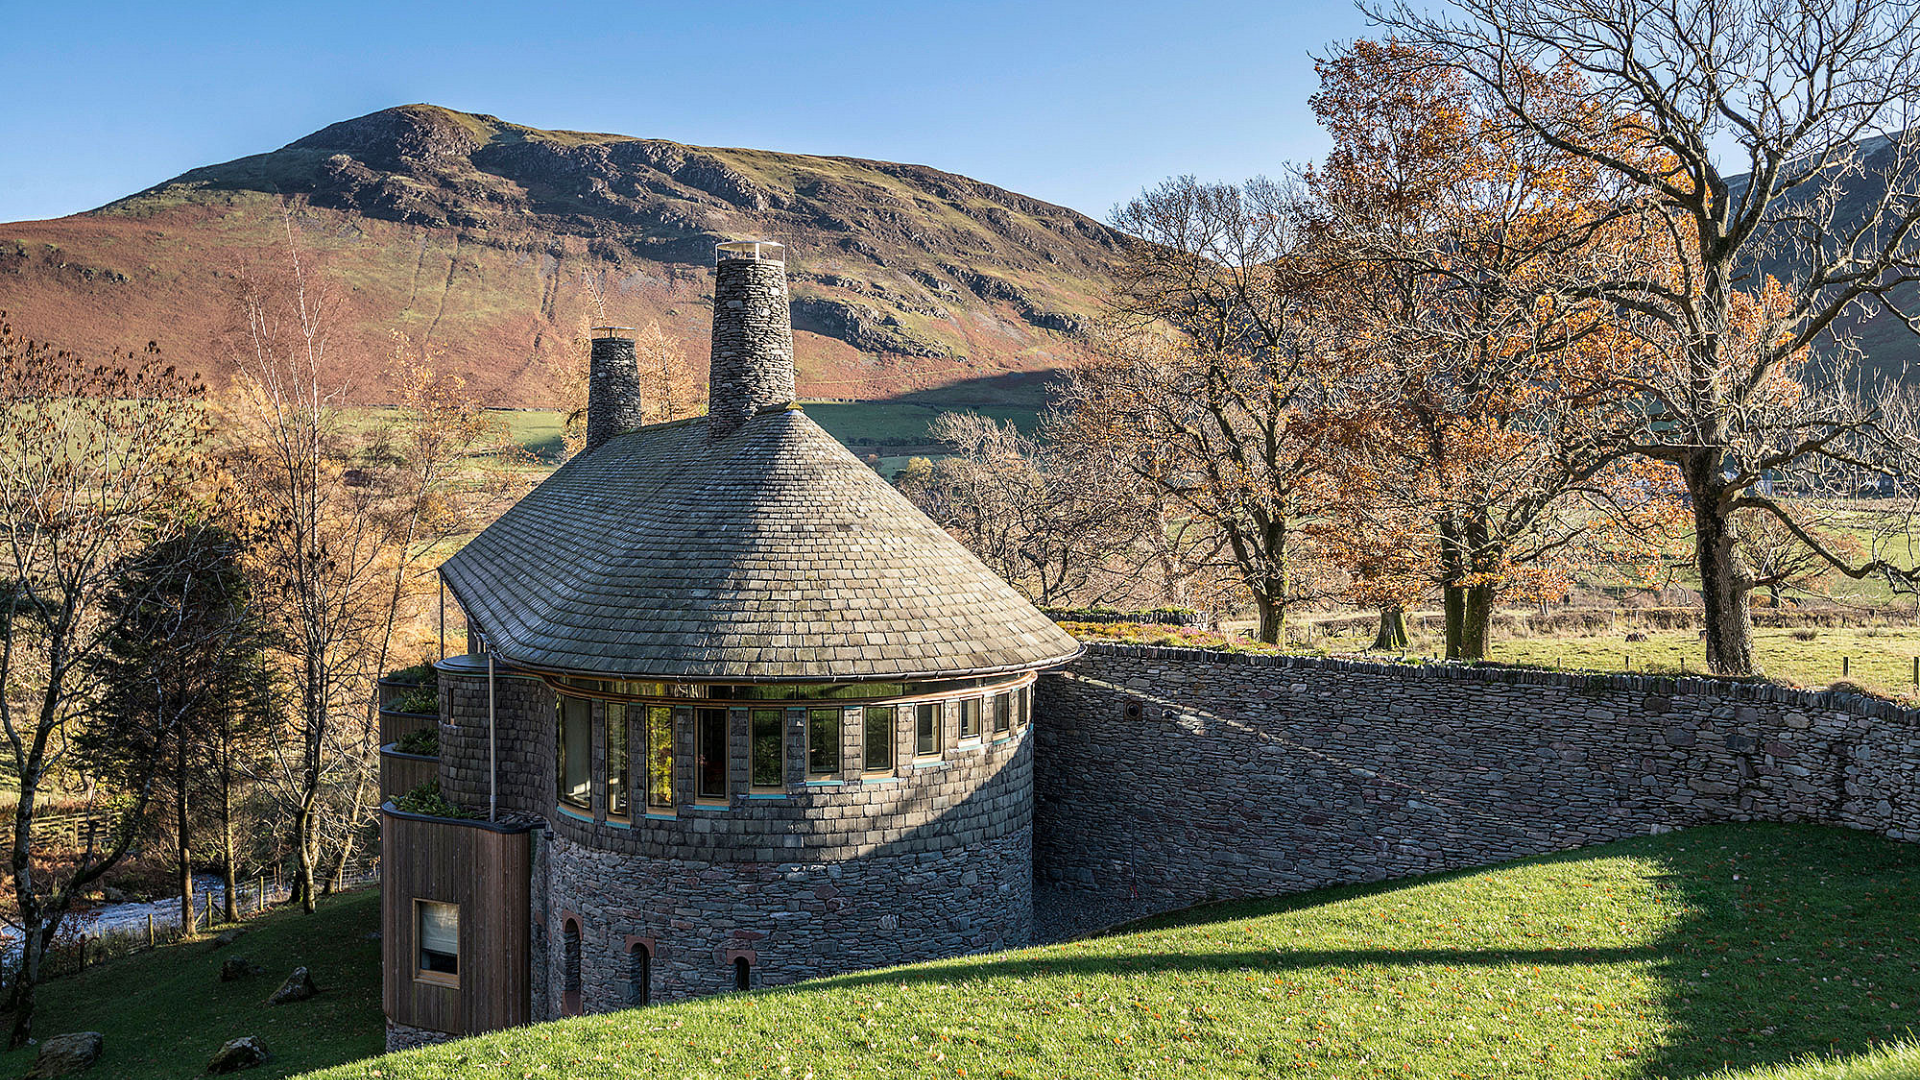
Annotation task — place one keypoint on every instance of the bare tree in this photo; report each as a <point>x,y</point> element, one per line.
<point>1206,379</point>
<point>94,461</point>
<point>1765,144</point>
<point>318,544</point>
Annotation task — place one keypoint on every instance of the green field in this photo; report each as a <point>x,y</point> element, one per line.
<point>1666,956</point>
<point>165,1012</point>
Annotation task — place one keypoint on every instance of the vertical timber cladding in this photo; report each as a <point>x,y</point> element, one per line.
<point>1181,775</point>
<point>401,773</point>
<point>484,869</point>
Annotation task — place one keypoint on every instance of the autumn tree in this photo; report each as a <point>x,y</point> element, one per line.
<point>317,537</point>
<point>669,389</point>
<point>94,462</point>
<point>1772,163</point>
<point>1479,405</point>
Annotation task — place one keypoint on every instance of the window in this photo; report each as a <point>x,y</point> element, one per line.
<point>1002,713</point>
<point>710,737</point>
<point>879,738</point>
<point>437,932</point>
<point>823,742</point>
<point>1026,706</point>
<point>660,759</point>
<point>570,968</point>
<point>926,730</point>
<point>970,719</point>
<point>766,746</point>
<point>617,793</point>
<point>742,973</point>
<point>639,974</point>
<point>576,752</point>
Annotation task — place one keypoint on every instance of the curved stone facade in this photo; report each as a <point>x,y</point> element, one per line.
<point>930,858</point>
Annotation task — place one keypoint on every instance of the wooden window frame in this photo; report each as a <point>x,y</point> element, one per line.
<point>938,712</point>
<point>1002,709</point>
<point>839,714</point>
<point>625,765</point>
<point>700,719</point>
<point>647,735</point>
<point>562,749</point>
<point>893,741</point>
<point>420,974</point>
<point>979,721</point>
<point>754,715</point>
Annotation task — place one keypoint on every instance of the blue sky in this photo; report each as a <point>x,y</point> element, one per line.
<point>1077,103</point>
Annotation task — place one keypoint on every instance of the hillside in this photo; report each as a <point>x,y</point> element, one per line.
<point>482,237</point>
<point>1742,947</point>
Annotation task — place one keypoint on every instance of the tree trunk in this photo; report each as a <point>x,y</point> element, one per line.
<point>183,848</point>
<point>1454,602</point>
<point>1476,621</point>
<point>229,875</point>
<point>1392,635</point>
<point>1725,586</point>
<point>1273,618</point>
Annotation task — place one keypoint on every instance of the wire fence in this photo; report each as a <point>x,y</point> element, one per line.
<point>113,930</point>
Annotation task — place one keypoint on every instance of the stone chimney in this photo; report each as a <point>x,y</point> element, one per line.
<point>752,364</point>
<point>613,386</point>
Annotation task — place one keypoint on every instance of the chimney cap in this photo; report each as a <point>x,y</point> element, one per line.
<point>612,332</point>
<point>752,250</point>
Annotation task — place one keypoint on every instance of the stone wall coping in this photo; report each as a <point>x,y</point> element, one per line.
<point>391,810</point>
<point>476,664</point>
<point>1735,690</point>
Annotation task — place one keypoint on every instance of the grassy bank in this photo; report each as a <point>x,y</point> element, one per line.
<point>165,1012</point>
<point>1733,947</point>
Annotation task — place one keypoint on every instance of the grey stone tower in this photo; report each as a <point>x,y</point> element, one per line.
<point>613,386</point>
<point>752,364</point>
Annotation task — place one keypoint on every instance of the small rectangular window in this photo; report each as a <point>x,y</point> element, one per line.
<point>970,719</point>
<point>616,760</point>
<point>711,739</point>
<point>660,758</point>
<point>1002,713</point>
<point>823,742</point>
<point>1026,706</point>
<point>926,735</point>
<point>576,752</point>
<point>437,933</point>
<point>879,738</point>
<point>767,746</point>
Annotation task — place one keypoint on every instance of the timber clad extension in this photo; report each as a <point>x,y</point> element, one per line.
<point>714,705</point>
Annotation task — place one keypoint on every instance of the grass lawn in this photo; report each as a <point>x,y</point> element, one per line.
<point>1681,955</point>
<point>165,1012</point>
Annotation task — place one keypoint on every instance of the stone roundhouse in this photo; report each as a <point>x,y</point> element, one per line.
<point>734,713</point>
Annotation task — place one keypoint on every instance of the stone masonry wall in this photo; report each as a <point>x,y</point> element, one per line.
<point>614,398</point>
<point>791,921</point>
<point>1167,777</point>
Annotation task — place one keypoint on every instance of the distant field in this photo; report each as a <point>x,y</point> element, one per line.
<point>1879,659</point>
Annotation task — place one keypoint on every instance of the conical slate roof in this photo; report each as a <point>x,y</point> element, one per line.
<point>770,554</point>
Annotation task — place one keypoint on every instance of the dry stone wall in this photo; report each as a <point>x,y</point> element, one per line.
<point>1168,777</point>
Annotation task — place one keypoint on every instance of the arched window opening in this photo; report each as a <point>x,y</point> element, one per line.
<point>570,969</point>
<point>639,975</point>
<point>742,973</point>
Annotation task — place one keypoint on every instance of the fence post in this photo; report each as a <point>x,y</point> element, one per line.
<point>1844,665</point>
<point>149,929</point>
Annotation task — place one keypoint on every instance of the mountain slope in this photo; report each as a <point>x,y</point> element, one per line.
<point>488,240</point>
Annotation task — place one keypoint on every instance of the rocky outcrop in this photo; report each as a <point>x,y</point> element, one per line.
<point>67,1055</point>
<point>862,326</point>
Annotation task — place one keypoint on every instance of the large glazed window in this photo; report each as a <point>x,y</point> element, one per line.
<point>576,752</point>
<point>437,932</point>
<point>660,759</point>
<point>823,743</point>
<point>767,763</point>
<point>710,738</point>
<point>617,785</point>
<point>879,738</point>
